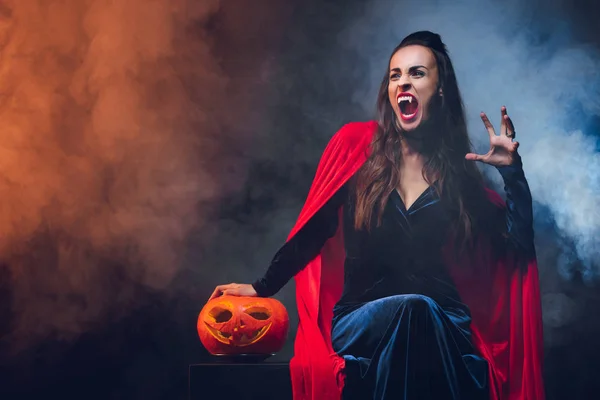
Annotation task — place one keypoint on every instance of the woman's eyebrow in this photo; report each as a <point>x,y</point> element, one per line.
<point>409,70</point>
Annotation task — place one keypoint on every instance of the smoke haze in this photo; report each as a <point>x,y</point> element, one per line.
<point>112,151</point>
<point>155,149</point>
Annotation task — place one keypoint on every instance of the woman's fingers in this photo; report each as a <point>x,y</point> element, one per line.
<point>503,124</point>
<point>243,289</point>
<point>215,293</point>
<point>220,290</point>
<point>473,157</point>
<point>488,125</point>
<point>233,289</point>
<point>510,128</point>
<point>506,125</point>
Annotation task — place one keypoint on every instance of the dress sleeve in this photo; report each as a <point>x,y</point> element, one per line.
<point>297,252</point>
<point>519,208</point>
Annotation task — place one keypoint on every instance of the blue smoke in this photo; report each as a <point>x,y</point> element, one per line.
<point>507,54</point>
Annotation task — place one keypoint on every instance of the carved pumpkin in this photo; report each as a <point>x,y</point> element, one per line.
<point>233,325</point>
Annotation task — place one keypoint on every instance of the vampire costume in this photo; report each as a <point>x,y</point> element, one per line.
<point>389,313</point>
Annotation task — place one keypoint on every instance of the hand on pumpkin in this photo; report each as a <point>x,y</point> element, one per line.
<point>234,289</point>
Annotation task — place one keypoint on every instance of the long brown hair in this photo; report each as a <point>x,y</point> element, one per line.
<point>458,181</point>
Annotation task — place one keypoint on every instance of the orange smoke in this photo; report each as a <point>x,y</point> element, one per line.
<point>109,142</point>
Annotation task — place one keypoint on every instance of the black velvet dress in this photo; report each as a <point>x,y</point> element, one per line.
<point>400,323</point>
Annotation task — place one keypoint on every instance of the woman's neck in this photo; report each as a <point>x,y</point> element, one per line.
<point>412,158</point>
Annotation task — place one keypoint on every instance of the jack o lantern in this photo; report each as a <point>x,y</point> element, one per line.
<point>234,325</point>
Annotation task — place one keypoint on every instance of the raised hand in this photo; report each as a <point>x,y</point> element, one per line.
<point>234,289</point>
<point>503,150</point>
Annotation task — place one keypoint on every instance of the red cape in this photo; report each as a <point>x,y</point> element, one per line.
<point>504,300</point>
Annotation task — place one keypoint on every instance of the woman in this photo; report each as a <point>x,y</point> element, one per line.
<point>440,296</point>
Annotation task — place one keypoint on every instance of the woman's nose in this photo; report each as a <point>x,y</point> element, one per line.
<point>404,82</point>
<point>404,86</point>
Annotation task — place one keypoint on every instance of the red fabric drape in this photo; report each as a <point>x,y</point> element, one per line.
<point>504,298</point>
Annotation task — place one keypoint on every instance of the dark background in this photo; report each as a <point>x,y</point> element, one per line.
<point>284,78</point>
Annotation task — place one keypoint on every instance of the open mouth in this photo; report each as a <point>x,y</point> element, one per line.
<point>244,340</point>
<point>408,105</point>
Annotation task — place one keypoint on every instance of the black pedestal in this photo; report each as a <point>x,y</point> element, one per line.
<point>247,381</point>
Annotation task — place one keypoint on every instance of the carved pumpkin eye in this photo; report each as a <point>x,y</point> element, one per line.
<point>259,313</point>
<point>220,315</point>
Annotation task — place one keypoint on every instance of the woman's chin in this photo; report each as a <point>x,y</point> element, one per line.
<point>410,124</point>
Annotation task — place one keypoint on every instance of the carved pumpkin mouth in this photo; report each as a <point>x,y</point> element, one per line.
<point>244,340</point>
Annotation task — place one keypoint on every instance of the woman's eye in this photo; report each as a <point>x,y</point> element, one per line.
<point>395,76</point>
<point>418,73</point>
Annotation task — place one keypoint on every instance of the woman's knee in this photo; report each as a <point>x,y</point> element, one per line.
<point>417,302</point>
